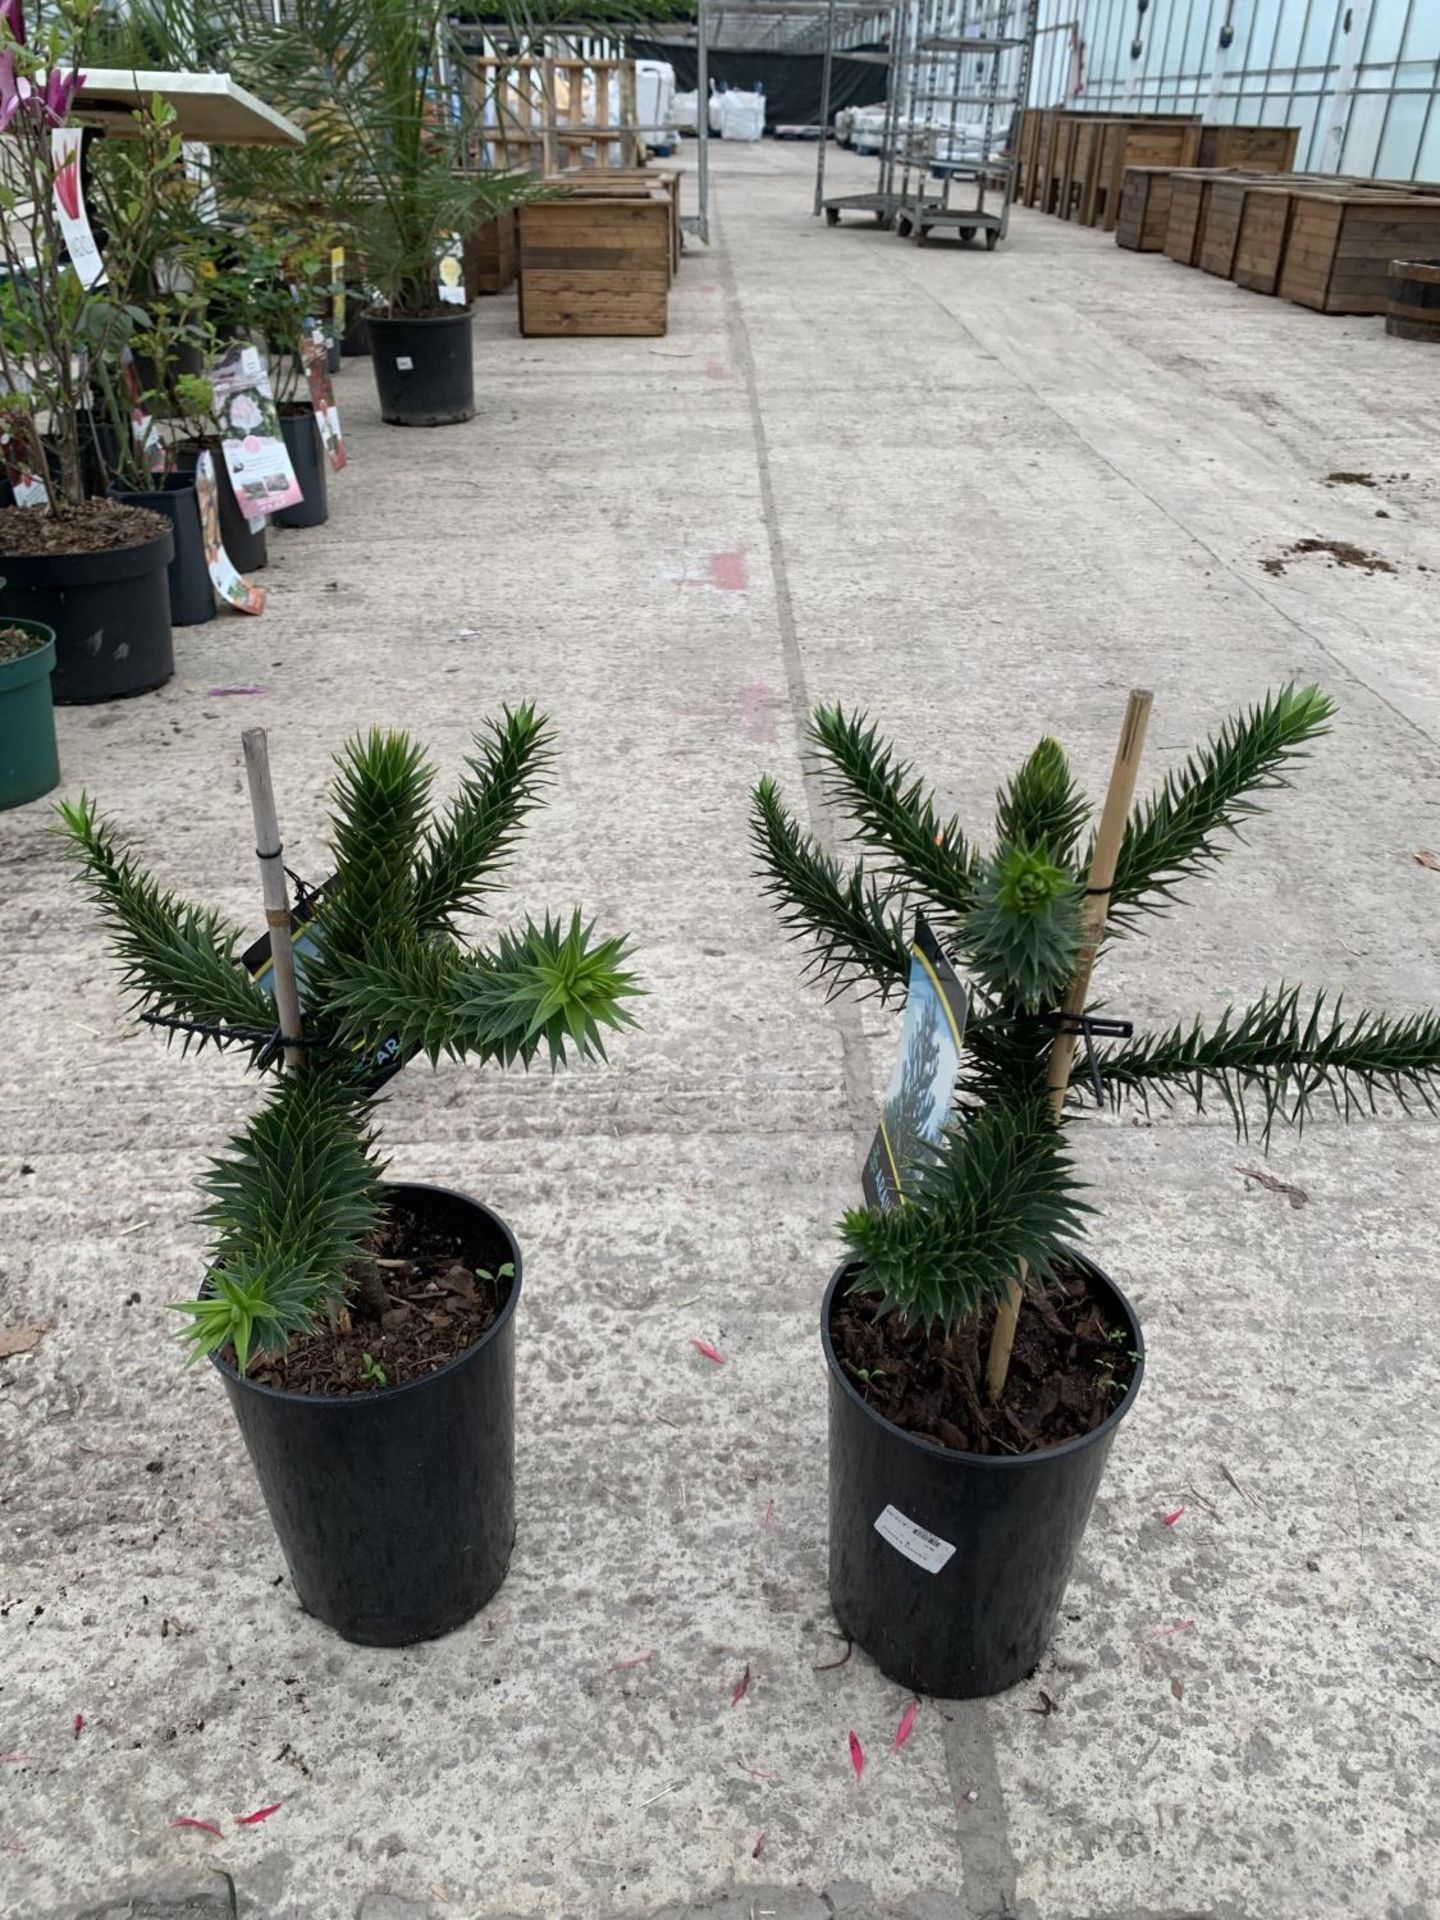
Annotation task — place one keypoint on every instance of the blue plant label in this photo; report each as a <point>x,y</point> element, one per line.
<point>921,1094</point>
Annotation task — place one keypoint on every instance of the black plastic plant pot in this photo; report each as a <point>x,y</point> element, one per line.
<point>192,596</point>
<point>355,340</point>
<point>110,612</point>
<point>242,539</point>
<point>424,369</point>
<point>949,1568</point>
<point>395,1509</point>
<point>307,456</point>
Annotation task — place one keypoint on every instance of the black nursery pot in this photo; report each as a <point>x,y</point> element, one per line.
<point>424,369</point>
<point>110,612</point>
<point>949,1568</point>
<point>242,540</point>
<point>395,1510</point>
<point>355,339</point>
<point>192,597</point>
<point>307,456</point>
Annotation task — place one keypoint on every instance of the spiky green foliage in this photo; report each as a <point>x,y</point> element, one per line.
<point>549,986</point>
<point>1000,1190</point>
<point>1182,830</point>
<point>299,1192</point>
<point>1277,1056</point>
<point>842,914</point>
<point>467,850</point>
<point>175,959</point>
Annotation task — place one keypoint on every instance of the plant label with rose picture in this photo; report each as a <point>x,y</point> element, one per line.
<point>921,1093</point>
<point>255,453</point>
<point>85,257</point>
<point>231,585</point>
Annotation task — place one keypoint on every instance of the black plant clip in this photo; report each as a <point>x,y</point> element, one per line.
<point>270,1042</point>
<point>1090,1029</point>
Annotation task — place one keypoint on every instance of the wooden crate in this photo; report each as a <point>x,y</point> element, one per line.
<point>490,256</point>
<point>621,184</point>
<point>1186,225</point>
<point>1027,153</point>
<point>1340,245</point>
<point>1144,209</point>
<point>1149,142</point>
<point>595,265</point>
<point>1257,149</point>
<point>1223,210</point>
<point>1078,188</point>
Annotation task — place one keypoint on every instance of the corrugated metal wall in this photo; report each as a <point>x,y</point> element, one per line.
<point>1360,78</point>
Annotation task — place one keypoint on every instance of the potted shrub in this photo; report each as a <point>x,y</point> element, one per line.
<point>979,1365</point>
<point>29,762</point>
<point>370,81</point>
<point>364,1331</point>
<point>91,569</point>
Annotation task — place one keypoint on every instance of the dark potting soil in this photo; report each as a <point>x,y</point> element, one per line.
<point>100,526</point>
<point>1069,1369</point>
<point>443,1293</point>
<point>15,643</point>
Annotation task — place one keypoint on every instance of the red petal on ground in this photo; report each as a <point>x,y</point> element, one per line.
<point>742,1687</point>
<point>1180,1626</point>
<point>260,1813</point>
<point>759,1846</point>
<point>205,1826</point>
<point>758,1772</point>
<point>907,1724</point>
<point>1169,1519</point>
<point>710,1353</point>
<point>857,1754</point>
<point>79,1725</point>
<point>769,1515</point>
<point>639,1660</point>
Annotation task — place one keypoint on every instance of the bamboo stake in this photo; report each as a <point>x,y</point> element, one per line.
<point>1094,912</point>
<point>270,852</point>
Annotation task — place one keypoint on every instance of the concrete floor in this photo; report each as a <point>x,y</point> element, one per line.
<point>982,495</point>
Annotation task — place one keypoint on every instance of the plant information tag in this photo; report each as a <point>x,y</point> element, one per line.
<point>927,1550</point>
<point>921,1094</point>
<point>315,352</point>
<point>225,576</point>
<point>70,206</point>
<point>450,270</point>
<point>256,457</point>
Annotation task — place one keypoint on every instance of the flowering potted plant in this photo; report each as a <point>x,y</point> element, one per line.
<point>365,1330</point>
<point>978,1364</point>
<point>88,567</point>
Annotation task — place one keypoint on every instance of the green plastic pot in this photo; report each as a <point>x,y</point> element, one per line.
<point>29,763</point>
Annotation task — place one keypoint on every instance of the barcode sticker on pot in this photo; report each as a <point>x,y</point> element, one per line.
<point>927,1550</point>
<point>404,362</point>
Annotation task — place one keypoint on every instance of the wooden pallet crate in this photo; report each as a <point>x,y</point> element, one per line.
<point>618,183</point>
<point>1223,209</point>
<point>551,114</point>
<point>1185,229</point>
<point>1256,149</point>
<point>1153,141</point>
<point>595,264</point>
<point>1340,246</point>
<point>491,260</point>
<point>1260,237</point>
<point>1144,209</point>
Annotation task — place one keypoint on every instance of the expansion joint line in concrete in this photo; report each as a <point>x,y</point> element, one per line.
<point>988,1870</point>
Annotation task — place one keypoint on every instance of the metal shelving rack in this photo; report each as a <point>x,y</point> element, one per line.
<point>959,78</point>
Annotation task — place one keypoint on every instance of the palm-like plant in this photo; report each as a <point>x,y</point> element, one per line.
<point>384,975</point>
<point>1001,1195</point>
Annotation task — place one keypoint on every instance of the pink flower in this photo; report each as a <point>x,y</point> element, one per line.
<point>12,19</point>
<point>61,88</point>
<point>10,94</point>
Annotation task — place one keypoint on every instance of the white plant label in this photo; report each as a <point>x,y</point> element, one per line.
<point>927,1550</point>
<point>404,362</point>
<point>450,270</point>
<point>70,206</point>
